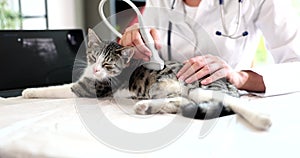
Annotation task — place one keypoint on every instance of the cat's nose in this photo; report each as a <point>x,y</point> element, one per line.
<point>96,69</point>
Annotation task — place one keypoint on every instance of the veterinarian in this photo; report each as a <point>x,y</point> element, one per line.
<point>233,29</point>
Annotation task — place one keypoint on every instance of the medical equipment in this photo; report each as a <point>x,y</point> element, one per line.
<point>234,34</point>
<point>155,63</point>
<point>178,18</point>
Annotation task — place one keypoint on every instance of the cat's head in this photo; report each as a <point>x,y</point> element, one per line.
<point>106,59</point>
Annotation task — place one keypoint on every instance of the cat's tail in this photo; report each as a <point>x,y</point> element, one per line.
<point>205,110</point>
<point>239,106</point>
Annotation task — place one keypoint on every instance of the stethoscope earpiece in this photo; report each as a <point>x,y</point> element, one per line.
<point>218,33</point>
<point>245,33</point>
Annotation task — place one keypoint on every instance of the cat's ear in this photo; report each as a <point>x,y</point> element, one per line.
<point>93,39</point>
<point>127,53</point>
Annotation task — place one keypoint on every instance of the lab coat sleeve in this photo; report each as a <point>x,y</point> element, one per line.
<point>282,37</point>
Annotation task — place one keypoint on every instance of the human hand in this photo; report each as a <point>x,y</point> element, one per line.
<point>132,37</point>
<point>201,66</point>
<point>247,80</point>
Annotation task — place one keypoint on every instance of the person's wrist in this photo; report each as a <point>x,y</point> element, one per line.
<point>238,79</point>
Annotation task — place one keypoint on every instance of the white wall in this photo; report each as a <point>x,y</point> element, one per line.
<point>65,14</point>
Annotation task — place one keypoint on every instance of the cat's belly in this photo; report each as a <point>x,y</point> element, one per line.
<point>149,84</point>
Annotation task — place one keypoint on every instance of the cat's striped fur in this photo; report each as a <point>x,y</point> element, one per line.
<point>110,66</point>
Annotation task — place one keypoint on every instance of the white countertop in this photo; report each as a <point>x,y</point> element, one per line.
<point>54,128</point>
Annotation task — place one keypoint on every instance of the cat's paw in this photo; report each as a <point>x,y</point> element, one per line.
<point>30,93</point>
<point>142,107</point>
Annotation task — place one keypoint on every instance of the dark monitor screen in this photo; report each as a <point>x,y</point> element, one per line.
<point>35,58</point>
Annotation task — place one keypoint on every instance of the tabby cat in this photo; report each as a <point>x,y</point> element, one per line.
<point>110,64</point>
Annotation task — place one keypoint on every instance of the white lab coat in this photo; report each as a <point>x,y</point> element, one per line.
<point>271,18</point>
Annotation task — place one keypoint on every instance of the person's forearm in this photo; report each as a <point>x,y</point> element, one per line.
<point>249,81</point>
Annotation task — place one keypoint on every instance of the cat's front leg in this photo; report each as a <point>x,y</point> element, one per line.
<point>164,105</point>
<point>61,91</point>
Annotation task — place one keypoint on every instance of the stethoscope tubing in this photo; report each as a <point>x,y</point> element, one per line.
<point>239,18</point>
<point>224,22</point>
<point>226,33</point>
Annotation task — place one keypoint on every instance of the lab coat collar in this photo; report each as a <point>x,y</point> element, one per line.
<point>179,4</point>
<point>211,3</point>
<point>205,4</point>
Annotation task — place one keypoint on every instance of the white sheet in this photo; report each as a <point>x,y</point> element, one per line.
<point>53,128</point>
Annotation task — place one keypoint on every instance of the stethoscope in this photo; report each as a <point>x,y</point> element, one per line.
<point>225,32</point>
<point>176,19</point>
<point>239,17</point>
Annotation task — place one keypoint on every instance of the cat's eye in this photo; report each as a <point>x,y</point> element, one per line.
<point>107,66</point>
<point>110,68</point>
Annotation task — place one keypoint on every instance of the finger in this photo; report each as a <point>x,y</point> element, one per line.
<point>127,41</point>
<point>199,62</point>
<point>203,58</point>
<point>132,27</point>
<point>215,76</point>
<point>123,39</point>
<point>204,71</point>
<point>190,71</point>
<point>139,43</point>
<point>155,35</point>
<point>127,38</point>
<point>198,75</point>
<point>139,55</point>
<point>141,51</point>
<point>146,59</point>
<point>200,59</point>
<point>185,67</point>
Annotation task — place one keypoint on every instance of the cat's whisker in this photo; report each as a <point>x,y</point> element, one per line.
<point>79,70</point>
<point>80,61</point>
<point>80,65</point>
<point>114,81</point>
